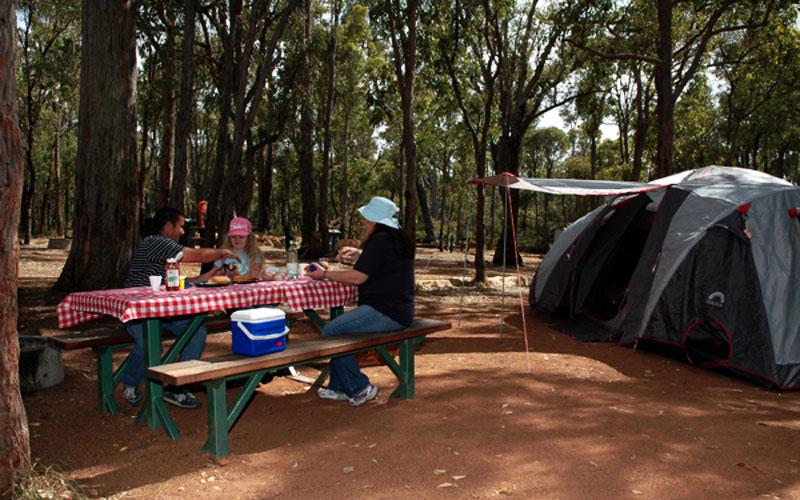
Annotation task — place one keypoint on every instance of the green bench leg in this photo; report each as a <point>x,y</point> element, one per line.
<point>217,444</point>
<point>220,422</point>
<point>105,380</point>
<point>405,370</point>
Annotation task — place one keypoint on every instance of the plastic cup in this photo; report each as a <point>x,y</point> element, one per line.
<point>155,283</point>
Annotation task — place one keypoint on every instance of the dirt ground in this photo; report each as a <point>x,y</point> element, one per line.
<point>492,417</point>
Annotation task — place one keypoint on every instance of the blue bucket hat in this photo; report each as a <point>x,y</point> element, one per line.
<point>380,210</point>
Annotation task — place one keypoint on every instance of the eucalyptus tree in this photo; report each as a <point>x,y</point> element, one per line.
<point>759,79</point>
<point>15,438</point>
<point>398,19</point>
<point>44,27</point>
<point>244,51</point>
<point>106,222</point>
<point>678,49</point>
<point>185,114</point>
<point>357,108</point>
<point>535,65</point>
<point>470,63</point>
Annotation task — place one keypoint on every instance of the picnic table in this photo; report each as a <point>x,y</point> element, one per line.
<point>142,303</point>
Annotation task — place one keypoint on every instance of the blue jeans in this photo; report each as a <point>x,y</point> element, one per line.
<point>346,376</point>
<point>134,372</point>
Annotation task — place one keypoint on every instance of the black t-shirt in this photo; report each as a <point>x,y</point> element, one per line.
<point>150,259</point>
<point>390,286</point>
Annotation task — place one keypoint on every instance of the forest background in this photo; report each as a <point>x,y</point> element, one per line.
<point>294,112</point>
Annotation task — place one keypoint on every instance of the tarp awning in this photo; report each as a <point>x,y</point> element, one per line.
<point>579,187</point>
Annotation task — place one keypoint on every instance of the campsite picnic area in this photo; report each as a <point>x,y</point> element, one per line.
<point>567,419</point>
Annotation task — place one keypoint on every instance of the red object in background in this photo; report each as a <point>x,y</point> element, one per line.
<point>202,209</point>
<point>793,211</point>
<point>744,208</point>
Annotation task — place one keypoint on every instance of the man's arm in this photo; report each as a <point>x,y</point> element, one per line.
<point>206,254</point>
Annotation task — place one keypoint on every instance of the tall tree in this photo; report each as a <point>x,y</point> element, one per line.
<point>535,63</point>
<point>106,222</point>
<point>183,125</point>
<point>327,118</point>
<point>43,23</point>
<point>474,90</point>
<point>14,438</point>
<point>401,23</point>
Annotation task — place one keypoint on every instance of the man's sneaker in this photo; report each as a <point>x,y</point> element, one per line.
<point>181,399</point>
<point>368,393</point>
<point>132,395</point>
<point>326,393</point>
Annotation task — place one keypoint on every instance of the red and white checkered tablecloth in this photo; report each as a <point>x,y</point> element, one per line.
<point>128,304</point>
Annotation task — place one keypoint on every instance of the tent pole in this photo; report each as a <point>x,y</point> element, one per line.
<point>505,245</point>
<point>464,277</point>
<point>519,288</point>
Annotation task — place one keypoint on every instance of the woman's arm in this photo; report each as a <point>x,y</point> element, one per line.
<point>348,276</point>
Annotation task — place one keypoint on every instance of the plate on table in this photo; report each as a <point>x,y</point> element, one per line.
<point>244,281</point>
<point>209,284</point>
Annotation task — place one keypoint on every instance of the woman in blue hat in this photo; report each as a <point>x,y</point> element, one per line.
<point>384,274</point>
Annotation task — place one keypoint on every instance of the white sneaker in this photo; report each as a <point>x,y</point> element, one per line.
<point>368,393</point>
<point>325,393</point>
<point>132,395</point>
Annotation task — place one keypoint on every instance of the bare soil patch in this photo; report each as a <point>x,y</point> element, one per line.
<point>558,419</point>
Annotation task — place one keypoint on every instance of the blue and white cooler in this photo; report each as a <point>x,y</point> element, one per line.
<point>258,331</point>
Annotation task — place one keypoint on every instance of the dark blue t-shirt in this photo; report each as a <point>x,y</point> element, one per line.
<point>390,286</point>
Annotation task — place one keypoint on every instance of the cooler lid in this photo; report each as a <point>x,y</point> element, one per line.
<point>258,314</point>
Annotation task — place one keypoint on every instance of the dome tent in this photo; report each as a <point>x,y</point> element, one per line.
<point>706,260</point>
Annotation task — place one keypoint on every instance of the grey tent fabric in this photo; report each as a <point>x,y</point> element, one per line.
<point>716,271</point>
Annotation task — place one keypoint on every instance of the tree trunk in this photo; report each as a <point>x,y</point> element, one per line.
<point>506,155</point>
<point>14,438</point>
<point>58,210</point>
<point>305,153</point>
<point>640,131</point>
<point>42,225</point>
<point>29,188</point>
<point>324,178</point>
<point>167,159</point>
<point>105,227</point>
<point>183,123</point>
<point>427,219</point>
<point>265,186</point>
<point>409,141</point>
<point>344,208</point>
<point>665,103</point>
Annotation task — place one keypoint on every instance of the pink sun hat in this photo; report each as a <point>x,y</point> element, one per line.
<point>240,226</point>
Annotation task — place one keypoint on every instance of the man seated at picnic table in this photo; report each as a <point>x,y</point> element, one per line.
<point>149,259</point>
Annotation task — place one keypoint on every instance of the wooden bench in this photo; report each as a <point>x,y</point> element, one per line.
<point>104,336</point>
<point>216,372</point>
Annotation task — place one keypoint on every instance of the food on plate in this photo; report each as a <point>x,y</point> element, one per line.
<point>220,280</point>
<point>239,279</point>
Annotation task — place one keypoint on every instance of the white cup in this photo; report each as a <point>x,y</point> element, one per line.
<point>155,283</point>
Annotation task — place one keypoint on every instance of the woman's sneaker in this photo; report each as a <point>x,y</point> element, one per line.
<point>181,399</point>
<point>131,395</point>
<point>368,393</point>
<point>325,393</point>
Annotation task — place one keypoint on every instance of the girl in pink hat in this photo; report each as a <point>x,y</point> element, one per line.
<point>241,240</point>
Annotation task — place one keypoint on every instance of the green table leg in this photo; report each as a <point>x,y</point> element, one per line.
<point>154,411</point>
<point>105,380</point>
